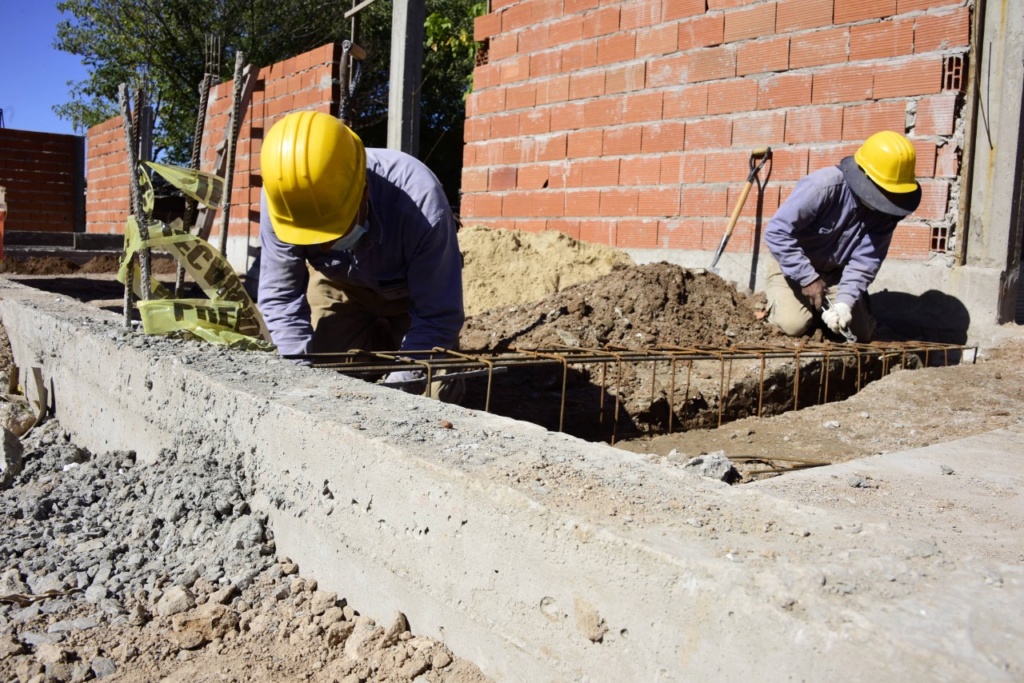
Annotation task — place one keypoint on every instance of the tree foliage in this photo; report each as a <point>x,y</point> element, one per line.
<point>159,44</point>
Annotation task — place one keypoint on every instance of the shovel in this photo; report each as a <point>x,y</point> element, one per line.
<point>764,154</point>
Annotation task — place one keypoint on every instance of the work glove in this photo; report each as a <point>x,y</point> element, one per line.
<point>837,317</point>
<point>409,381</point>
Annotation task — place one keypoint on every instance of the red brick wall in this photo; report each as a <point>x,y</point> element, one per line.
<point>43,176</point>
<point>302,82</point>
<point>631,123</point>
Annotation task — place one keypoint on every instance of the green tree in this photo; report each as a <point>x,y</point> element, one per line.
<point>160,44</point>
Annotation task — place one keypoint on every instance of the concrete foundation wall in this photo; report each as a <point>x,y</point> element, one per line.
<point>537,556</point>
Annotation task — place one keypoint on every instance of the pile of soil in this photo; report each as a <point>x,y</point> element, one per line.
<point>507,267</point>
<point>633,306</point>
<point>161,264</point>
<point>164,572</point>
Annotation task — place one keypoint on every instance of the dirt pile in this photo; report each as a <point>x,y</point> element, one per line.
<point>507,267</point>
<point>112,567</point>
<point>632,306</point>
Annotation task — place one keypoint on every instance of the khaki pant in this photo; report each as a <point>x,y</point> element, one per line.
<point>348,317</point>
<point>793,313</point>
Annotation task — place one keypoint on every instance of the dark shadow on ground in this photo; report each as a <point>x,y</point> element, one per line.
<point>932,317</point>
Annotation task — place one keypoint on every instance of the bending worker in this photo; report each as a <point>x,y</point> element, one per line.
<point>830,236</point>
<point>359,248</point>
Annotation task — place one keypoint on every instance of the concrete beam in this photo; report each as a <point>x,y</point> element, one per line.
<point>407,29</point>
<point>536,555</point>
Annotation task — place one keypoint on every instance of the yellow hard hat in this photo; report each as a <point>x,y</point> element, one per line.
<point>888,159</point>
<point>314,174</point>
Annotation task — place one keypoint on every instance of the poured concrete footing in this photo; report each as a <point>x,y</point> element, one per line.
<point>537,556</point>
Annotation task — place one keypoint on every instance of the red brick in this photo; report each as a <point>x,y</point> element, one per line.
<point>830,156</point>
<point>644,106</point>
<point>565,175</point>
<point>829,46</point>
<point>668,71</point>
<point>545,64</point>
<point>942,31</point>
<point>553,90</point>
<point>936,115</point>
<point>848,11</point>
<point>681,233</point>
<point>619,202</point>
<point>714,133</point>
<point>598,232</point>
<point>534,39</point>
<point>599,172</point>
<point>546,10</point>
<point>535,225</point>
<point>567,116</point>
<point>758,130</point>
<point>755,22</point>
<point>687,102</point>
<point>658,202</point>
<point>522,96</point>
<point>680,9</point>
<point>844,84</point>
<point>640,170</point>
<point>637,234</point>
<point>606,111</point>
<point>947,161</point>
<point>517,16</point>
<point>489,101</point>
<point>621,141</point>
<point>663,137</point>
<point>768,197</point>
<point>501,179</point>
<point>658,40</point>
<point>732,96</point>
<point>923,77</point>
<point>532,177</point>
<point>585,143</point>
<point>537,204</point>
<point>703,31</point>
<point>784,90</point>
<point>639,14</point>
<point>601,23</point>
<point>503,46</point>
<point>568,30</point>
<point>504,126</point>
<point>911,240</point>
<point>934,199</point>
<point>583,203</point>
<point>711,64</point>
<point>579,56</point>
<point>518,151</point>
<point>702,200</point>
<point>727,4</point>
<point>552,147</point>
<point>486,205</point>
<point>864,120</point>
<point>925,154</point>
<point>587,84</point>
<point>761,56</point>
<point>486,26</point>
<point>617,48</point>
<point>788,163</point>
<point>682,168</point>
<point>882,40</point>
<point>814,124</point>
<point>904,6</point>
<point>566,226</point>
<point>627,78</point>
<point>797,15</point>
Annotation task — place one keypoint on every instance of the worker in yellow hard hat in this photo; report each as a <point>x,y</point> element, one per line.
<point>830,236</point>
<point>358,248</point>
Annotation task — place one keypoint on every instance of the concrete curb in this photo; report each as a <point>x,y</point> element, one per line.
<point>537,556</point>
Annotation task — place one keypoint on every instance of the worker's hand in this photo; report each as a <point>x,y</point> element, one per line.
<point>409,381</point>
<point>837,317</point>
<point>815,291</point>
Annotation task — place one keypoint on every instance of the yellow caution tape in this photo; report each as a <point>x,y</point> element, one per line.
<point>205,188</point>
<point>228,317</point>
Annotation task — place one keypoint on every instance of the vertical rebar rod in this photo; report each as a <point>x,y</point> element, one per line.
<point>229,150</point>
<point>796,382</point>
<point>721,388</point>
<point>136,191</point>
<point>618,393</point>
<point>760,393</point>
<point>191,206</point>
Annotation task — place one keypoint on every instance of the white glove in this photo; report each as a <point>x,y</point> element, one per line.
<point>410,381</point>
<point>837,316</point>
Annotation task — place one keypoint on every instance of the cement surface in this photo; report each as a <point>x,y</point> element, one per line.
<point>541,557</point>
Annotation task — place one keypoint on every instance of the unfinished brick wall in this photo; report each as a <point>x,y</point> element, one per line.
<point>43,175</point>
<point>307,81</point>
<point>631,123</point>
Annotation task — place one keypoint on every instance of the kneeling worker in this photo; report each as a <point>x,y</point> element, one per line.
<point>830,236</point>
<point>359,248</point>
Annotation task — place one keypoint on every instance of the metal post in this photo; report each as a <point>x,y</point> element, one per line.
<point>407,32</point>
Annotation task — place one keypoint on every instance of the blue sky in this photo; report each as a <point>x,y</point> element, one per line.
<point>33,74</point>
